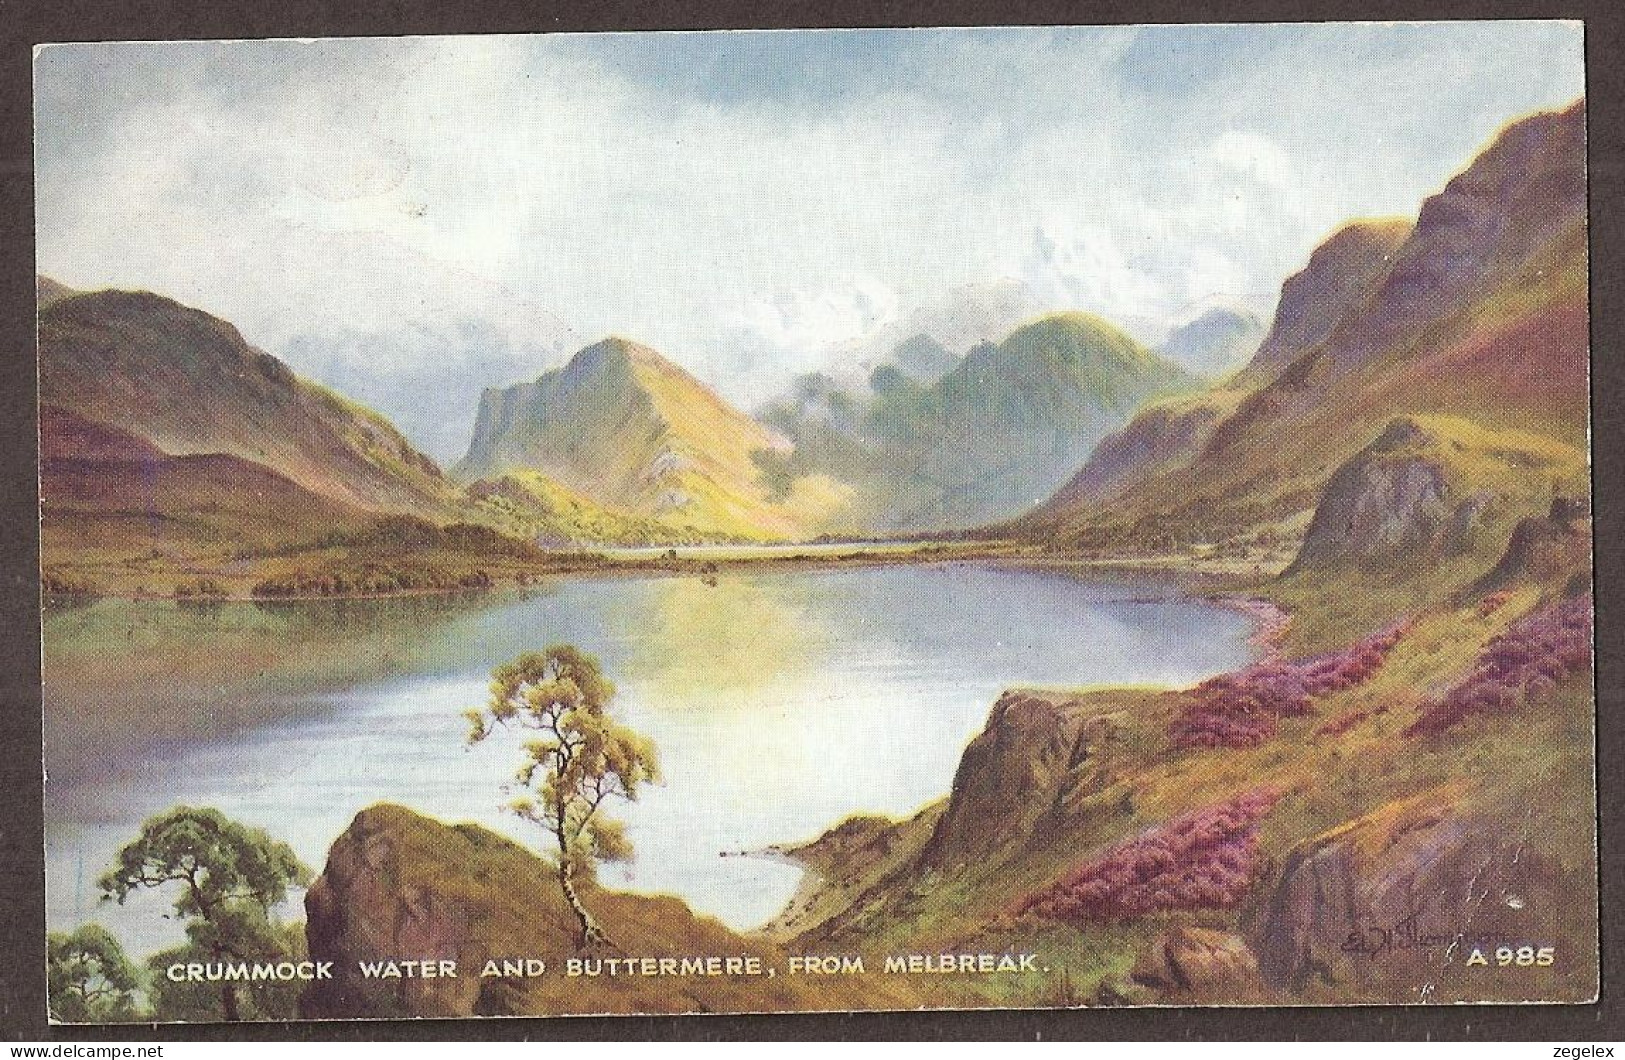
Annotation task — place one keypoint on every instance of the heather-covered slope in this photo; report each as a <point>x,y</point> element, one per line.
<point>1411,760</point>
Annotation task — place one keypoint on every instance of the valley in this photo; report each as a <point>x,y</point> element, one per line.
<point>1188,684</point>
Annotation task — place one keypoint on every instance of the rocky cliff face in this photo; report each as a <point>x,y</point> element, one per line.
<point>1430,488</point>
<point>1402,897</point>
<point>1392,498</point>
<point>1341,275</point>
<point>1012,775</point>
<point>1526,190</point>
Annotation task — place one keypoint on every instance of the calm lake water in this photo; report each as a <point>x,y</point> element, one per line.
<point>781,702</point>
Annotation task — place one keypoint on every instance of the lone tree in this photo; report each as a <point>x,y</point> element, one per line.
<point>230,875</point>
<point>89,979</point>
<point>579,759</point>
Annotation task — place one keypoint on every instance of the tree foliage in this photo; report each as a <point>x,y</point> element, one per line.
<point>89,978</point>
<point>576,759</point>
<point>202,1002</point>
<point>229,878</point>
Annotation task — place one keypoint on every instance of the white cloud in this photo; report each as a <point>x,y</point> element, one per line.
<point>753,204</point>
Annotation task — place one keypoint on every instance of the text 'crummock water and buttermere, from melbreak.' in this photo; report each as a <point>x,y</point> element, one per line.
<point>613,967</point>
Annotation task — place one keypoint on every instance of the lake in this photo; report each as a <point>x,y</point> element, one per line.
<point>780,702</point>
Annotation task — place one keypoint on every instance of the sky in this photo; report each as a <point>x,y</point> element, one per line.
<point>412,219</point>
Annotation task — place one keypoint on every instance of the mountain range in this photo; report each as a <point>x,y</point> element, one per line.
<point>996,433</point>
<point>1476,310</point>
<point>1066,431</point>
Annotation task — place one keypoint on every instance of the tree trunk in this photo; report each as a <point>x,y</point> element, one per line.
<point>228,991</point>
<point>591,935</point>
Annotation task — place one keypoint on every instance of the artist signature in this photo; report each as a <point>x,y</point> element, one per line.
<point>1371,941</point>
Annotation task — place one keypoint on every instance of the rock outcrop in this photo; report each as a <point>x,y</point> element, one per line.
<point>1008,777</point>
<point>379,900</point>
<point>1383,905</point>
<point>1028,772</point>
<point>1193,964</point>
<point>1434,487</point>
<point>1548,548</point>
<point>401,887</point>
<point>1393,497</point>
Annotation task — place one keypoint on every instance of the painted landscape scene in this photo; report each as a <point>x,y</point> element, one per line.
<point>816,521</point>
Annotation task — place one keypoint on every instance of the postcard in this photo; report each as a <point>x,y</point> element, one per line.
<point>785,521</point>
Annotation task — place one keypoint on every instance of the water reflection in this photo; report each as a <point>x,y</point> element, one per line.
<point>780,703</point>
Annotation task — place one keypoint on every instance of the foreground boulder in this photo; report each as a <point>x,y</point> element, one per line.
<point>1016,774</point>
<point>399,887</point>
<point>1392,905</point>
<point>1196,963</point>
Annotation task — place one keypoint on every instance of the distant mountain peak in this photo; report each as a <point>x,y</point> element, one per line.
<point>1215,342</point>
<point>623,425</point>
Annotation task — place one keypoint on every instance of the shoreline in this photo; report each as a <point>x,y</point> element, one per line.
<point>1180,568</point>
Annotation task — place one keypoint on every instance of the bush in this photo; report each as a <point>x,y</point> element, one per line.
<point>1205,859</point>
<point>371,580</point>
<point>1521,664</point>
<point>1244,708</point>
<point>56,583</point>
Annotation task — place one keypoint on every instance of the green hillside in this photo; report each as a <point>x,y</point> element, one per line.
<point>990,438</point>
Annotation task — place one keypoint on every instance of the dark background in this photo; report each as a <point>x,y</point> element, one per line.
<point>22,906</point>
